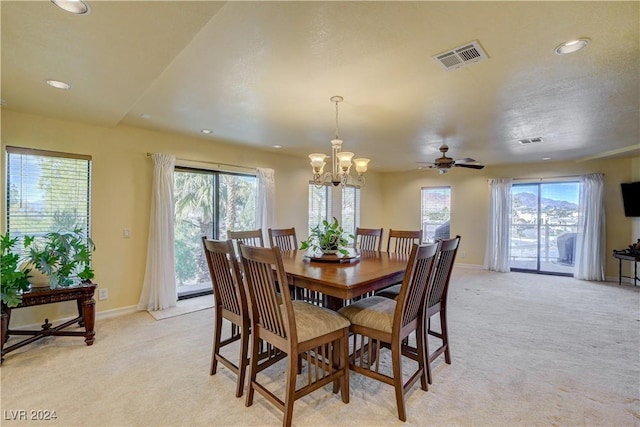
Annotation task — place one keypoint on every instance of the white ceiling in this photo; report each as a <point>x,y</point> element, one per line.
<point>262,73</point>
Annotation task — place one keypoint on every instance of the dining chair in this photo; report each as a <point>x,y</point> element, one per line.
<point>249,237</point>
<point>230,304</point>
<point>369,239</point>
<point>284,238</point>
<point>436,301</point>
<point>401,241</point>
<point>382,322</point>
<point>301,330</point>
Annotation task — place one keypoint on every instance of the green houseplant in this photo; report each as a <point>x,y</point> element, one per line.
<point>14,280</point>
<point>61,256</point>
<point>327,238</point>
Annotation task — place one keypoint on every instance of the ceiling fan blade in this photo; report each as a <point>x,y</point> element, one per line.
<point>469,165</point>
<point>466,160</point>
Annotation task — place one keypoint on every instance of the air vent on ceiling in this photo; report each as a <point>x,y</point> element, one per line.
<point>462,56</point>
<point>530,140</point>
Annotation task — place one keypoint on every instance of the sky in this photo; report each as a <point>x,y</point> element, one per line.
<point>567,191</point>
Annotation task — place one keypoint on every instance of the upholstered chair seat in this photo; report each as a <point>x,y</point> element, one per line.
<point>374,312</point>
<point>390,292</point>
<point>313,321</point>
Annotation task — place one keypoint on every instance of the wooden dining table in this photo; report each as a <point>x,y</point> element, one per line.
<point>366,272</point>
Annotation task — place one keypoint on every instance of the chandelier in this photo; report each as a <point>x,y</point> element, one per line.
<point>340,162</point>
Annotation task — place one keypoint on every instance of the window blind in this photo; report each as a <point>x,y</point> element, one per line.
<point>47,191</point>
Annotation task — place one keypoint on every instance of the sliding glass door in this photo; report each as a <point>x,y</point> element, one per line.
<point>544,225</point>
<point>207,203</point>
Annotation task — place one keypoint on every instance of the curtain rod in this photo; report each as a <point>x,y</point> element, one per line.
<point>548,177</point>
<point>553,177</point>
<point>212,163</point>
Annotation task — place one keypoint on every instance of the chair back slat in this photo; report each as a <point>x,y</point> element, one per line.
<point>402,241</point>
<point>284,238</point>
<point>261,283</point>
<point>415,283</point>
<point>369,239</point>
<point>443,268</point>
<point>225,275</point>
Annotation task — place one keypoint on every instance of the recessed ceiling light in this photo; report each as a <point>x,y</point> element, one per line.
<point>79,7</point>
<point>546,158</point>
<point>572,46</point>
<point>145,116</point>
<point>206,131</point>
<point>277,146</point>
<point>58,84</point>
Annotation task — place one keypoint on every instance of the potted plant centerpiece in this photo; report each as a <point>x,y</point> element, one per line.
<point>328,238</point>
<point>62,257</point>
<point>14,280</point>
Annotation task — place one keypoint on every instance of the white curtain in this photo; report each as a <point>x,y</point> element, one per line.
<point>265,211</point>
<point>590,242</point>
<point>159,289</point>
<point>499,226</point>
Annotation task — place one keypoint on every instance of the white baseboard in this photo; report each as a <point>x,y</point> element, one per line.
<point>116,312</point>
<point>472,266</point>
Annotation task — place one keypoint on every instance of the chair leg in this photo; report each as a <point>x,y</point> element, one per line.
<point>217,337</point>
<point>427,354</point>
<point>396,361</point>
<point>290,394</point>
<point>420,350</point>
<point>336,354</point>
<point>445,335</point>
<point>344,365</point>
<point>253,367</point>
<point>242,359</point>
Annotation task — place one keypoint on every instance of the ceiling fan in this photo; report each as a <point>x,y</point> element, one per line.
<point>444,163</point>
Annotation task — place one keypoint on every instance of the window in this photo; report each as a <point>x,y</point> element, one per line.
<point>319,205</point>
<point>544,226</point>
<point>346,210</point>
<point>47,191</point>
<point>435,213</point>
<point>207,203</point>
<point>350,209</point>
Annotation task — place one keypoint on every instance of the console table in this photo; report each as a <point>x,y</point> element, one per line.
<point>630,258</point>
<point>82,294</point>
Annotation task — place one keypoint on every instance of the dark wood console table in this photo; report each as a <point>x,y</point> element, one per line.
<point>82,294</point>
<point>630,258</point>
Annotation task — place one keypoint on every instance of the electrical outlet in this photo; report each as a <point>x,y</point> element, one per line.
<point>103,294</point>
<point>463,254</point>
<point>126,233</point>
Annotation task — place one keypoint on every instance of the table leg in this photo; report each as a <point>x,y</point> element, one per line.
<point>619,271</point>
<point>89,317</point>
<point>333,303</point>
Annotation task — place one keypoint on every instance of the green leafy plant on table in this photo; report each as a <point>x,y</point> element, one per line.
<point>14,280</point>
<point>62,256</point>
<point>327,238</point>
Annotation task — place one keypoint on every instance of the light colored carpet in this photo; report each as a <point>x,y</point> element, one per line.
<point>527,351</point>
<point>185,306</point>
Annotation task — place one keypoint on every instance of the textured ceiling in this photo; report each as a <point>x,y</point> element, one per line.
<point>262,73</point>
